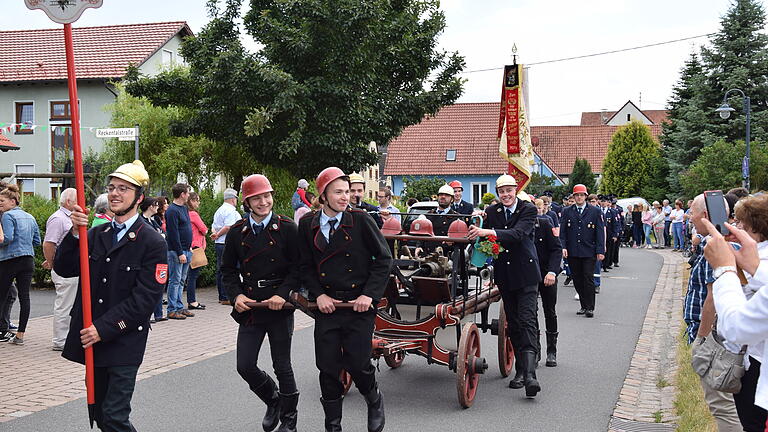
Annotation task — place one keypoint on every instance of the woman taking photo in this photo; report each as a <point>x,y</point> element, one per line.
<point>18,237</point>
<point>677,225</point>
<point>199,230</point>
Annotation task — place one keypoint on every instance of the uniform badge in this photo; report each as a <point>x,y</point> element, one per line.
<point>121,324</point>
<point>161,273</point>
<point>131,235</point>
<point>498,210</point>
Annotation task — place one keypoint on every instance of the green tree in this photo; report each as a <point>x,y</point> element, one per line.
<point>719,167</point>
<point>738,58</point>
<point>582,174</point>
<point>657,187</point>
<point>627,166</point>
<point>686,131</point>
<point>540,183</point>
<point>330,77</point>
<point>421,188</point>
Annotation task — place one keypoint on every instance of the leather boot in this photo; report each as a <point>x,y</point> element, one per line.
<point>332,409</point>
<point>267,392</point>
<point>551,349</point>
<point>288,412</point>
<point>529,375</point>
<point>375,409</point>
<point>517,381</point>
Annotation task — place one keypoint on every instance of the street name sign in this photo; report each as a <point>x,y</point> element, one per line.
<point>122,134</point>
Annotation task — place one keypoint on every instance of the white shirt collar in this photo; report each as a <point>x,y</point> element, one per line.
<point>263,223</point>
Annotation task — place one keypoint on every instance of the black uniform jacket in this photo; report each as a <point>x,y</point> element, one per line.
<point>440,225</point>
<point>356,261</point>
<point>518,265</point>
<point>463,207</point>
<point>547,247</point>
<point>582,235</point>
<point>248,258</point>
<point>127,281</point>
<point>373,211</point>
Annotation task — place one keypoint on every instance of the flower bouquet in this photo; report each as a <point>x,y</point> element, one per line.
<point>482,250</point>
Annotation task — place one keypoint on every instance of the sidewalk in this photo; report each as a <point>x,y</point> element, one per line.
<point>35,377</point>
<point>646,401</point>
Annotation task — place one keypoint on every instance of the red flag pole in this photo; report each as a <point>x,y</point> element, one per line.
<point>85,280</point>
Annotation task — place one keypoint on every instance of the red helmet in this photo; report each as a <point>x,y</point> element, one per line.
<point>455,184</point>
<point>391,227</point>
<point>326,176</point>
<point>458,229</point>
<point>580,188</point>
<point>422,227</point>
<point>255,184</point>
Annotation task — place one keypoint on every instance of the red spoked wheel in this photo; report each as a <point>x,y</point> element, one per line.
<point>505,350</point>
<point>469,365</point>
<point>346,380</point>
<point>394,360</point>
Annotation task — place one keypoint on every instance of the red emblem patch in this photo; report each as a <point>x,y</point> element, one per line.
<point>161,273</point>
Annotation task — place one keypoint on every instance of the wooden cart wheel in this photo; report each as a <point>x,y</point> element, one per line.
<point>346,380</point>
<point>467,378</point>
<point>506,352</point>
<point>395,360</point>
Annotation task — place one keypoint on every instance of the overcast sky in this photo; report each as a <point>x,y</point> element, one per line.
<point>483,31</point>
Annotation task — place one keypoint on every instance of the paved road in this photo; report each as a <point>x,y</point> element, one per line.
<point>578,395</point>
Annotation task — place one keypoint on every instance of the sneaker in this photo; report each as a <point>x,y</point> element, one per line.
<point>12,327</point>
<point>152,320</point>
<point>6,336</point>
<point>57,348</point>
<point>187,313</point>
<point>158,319</point>
<point>16,341</point>
<point>576,297</point>
<point>567,280</point>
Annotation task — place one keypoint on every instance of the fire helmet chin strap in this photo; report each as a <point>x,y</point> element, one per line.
<point>139,194</point>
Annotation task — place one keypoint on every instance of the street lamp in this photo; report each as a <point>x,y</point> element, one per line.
<point>725,111</point>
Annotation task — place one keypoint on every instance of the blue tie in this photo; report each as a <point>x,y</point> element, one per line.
<point>116,228</point>
<point>509,214</point>
<point>332,225</point>
<point>257,228</point>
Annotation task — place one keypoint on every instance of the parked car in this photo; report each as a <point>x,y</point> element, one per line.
<point>417,209</point>
<point>625,202</point>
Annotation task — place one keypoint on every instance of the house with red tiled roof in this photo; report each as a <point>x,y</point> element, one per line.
<point>459,143</point>
<point>34,93</point>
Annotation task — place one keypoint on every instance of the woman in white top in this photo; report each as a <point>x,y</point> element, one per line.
<point>658,224</point>
<point>676,216</point>
<point>743,310</point>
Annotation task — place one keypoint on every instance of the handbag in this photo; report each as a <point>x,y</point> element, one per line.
<point>721,369</point>
<point>198,258</point>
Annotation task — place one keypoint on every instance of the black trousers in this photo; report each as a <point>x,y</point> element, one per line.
<point>667,236</point>
<point>521,307</point>
<point>616,248</point>
<point>249,341</point>
<point>752,417</point>
<point>19,269</point>
<point>343,341</point>
<point>548,302</point>
<point>582,273</point>
<point>608,256</point>
<point>113,390</point>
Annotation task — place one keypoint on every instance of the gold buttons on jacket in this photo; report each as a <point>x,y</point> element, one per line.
<point>354,285</point>
<point>108,260</point>
<point>322,274</point>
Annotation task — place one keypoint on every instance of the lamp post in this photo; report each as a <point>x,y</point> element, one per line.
<point>725,111</point>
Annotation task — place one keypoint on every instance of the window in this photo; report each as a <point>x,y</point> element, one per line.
<point>628,117</point>
<point>478,190</point>
<point>25,114</point>
<point>450,155</point>
<point>60,110</point>
<point>169,57</point>
<point>26,185</point>
<point>61,147</point>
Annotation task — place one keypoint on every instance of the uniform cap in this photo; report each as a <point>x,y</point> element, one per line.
<point>356,178</point>
<point>230,193</point>
<point>580,188</point>
<point>133,173</point>
<point>445,189</point>
<point>505,180</point>
<point>455,184</point>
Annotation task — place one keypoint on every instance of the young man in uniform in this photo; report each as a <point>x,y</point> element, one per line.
<point>260,263</point>
<point>128,269</point>
<point>459,205</point>
<point>612,231</point>
<point>357,195</point>
<point>582,236</point>
<point>550,255</point>
<point>344,258</point>
<point>517,274</point>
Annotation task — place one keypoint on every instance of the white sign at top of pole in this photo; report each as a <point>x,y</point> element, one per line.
<point>63,11</point>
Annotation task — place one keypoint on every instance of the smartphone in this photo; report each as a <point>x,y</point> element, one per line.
<point>716,210</point>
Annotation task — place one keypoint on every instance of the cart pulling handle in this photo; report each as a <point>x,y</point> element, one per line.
<point>298,301</point>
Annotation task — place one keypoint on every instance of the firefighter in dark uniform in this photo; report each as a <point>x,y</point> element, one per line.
<point>260,263</point>
<point>516,270</point>
<point>128,269</point>
<point>440,224</point>
<point>357,198</point>
<point>344,258</point>
<point>459,205</point>
<point>582,237</point>
<point>620,212</point>
<point>550,255</point>
<point>612,231</point>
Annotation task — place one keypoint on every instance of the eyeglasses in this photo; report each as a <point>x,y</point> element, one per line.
<point>381,196</point>
<point>121,189</point>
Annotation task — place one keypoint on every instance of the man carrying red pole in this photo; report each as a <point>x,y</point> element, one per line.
<point>128,269</point>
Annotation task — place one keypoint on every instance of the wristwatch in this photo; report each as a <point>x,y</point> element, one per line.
<point>723,270</point>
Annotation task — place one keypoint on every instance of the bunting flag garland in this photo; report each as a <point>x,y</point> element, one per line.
<point>11,127</point>
<point>514,135</point>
